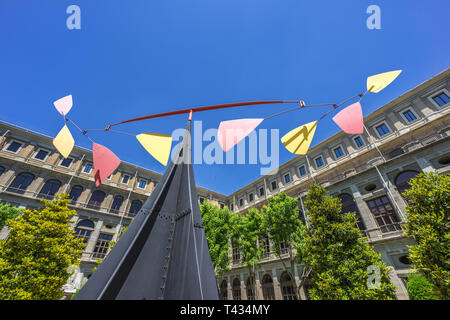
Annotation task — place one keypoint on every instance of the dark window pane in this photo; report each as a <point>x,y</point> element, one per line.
<point>117,203</point>
<point>75,193</point>
<point>287,178</point>
<point>359,142</point>
<point>2,170</point>
<point>302,170</point>
<point>441,99</point>
<point>14,146</point>
<point>261,192</point>
<point>409,115</point>
<point>384,214</point>
<point>102,246</point>
<point>382,129</point>
<point>49,189</point>
<point>274,185</point>
<point>319,162</point>
<point>66,162</point>
<point>224,290</point>
<point>96,199</point>
<point>87,168</point>
<point>136,205</point>
<point>41,155</point>
<point>21,183</point>
<point>338,152</point>
<point>236,289</point>
<point>402,180</point>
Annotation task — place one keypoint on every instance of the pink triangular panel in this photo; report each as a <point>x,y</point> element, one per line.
<point>64,104</point>
<point>105,162</point>
<point>231,132</point>
<point>350,120</point>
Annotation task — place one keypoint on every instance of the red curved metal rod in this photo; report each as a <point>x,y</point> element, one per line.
<point>199,109</point>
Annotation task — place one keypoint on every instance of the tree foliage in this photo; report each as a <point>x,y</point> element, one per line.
<point>419,288</point>
<point>248,234</point>
<point>428,223</point>
<point>283,226</point>
<point>219,227</point>
<point>38,252</point>
<point>8,212</point>
<point>338,255</point>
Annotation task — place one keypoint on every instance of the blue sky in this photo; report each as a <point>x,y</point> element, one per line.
<point>133,58</point>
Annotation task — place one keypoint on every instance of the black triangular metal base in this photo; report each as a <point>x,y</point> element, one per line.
<point>164,253</point>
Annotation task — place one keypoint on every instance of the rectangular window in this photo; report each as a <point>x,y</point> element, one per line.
<point>287,178</point>
<point>409,115</point>
<point>41,154</point>
<point>102,246</point>
<point>338,152</point>
<point>231,207</point>
<point>241,202</point>
<point>382,129</point>
<point>358,141</point>
<point>261,192</point>
<point>441,99</point>
<point>319,162</point>
<point>236,256</point>
<point>87,168</point>
<point>201,200</point>
<point>142,184</point>
<point>273,185</point>
<point>14,146</point>
<point>125,179</point>
<point>384,214</point>
<point>284,248</point>
<point>250,197</point>
<point>66,162</point>
<point>302,171</point>
<point>221,205</point>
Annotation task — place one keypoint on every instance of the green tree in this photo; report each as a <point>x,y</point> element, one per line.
<point>249,235</point>
<point>219,227</point>
<point>419,288</point>
<point>339,257</point>
<point>8,212</point>
<point>284,228</point>
<point>38,252</point>
<point>428,223</point>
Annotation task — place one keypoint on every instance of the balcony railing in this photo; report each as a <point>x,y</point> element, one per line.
<point>80,205</point>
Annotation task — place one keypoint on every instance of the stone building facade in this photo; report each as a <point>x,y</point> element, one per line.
<point>31,169</point>
<point>368,172</point>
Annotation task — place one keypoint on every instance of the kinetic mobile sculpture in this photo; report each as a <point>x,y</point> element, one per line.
<point>164,253</point>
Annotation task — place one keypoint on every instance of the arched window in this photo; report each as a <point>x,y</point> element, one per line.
<point>236,289</point>
<point>402,180</point>
<point>117,203</point>
<point>287,287</point>
<point>250,286</point>
<point>49,189</point>
<point>96,199</point>
<point>136,205</point>
<point>349,205</point>
<point>267,288</point>
<point>224,290</point>
<point>1,170</point>
<point>75,193</point>
<point>21,183</point>
<point>84,229</point>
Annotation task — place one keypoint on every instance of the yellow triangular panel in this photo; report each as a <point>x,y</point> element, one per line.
<point>157,144</point>
<point>380,81</point>
<point>64,142</point>
<point>298,140</point>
